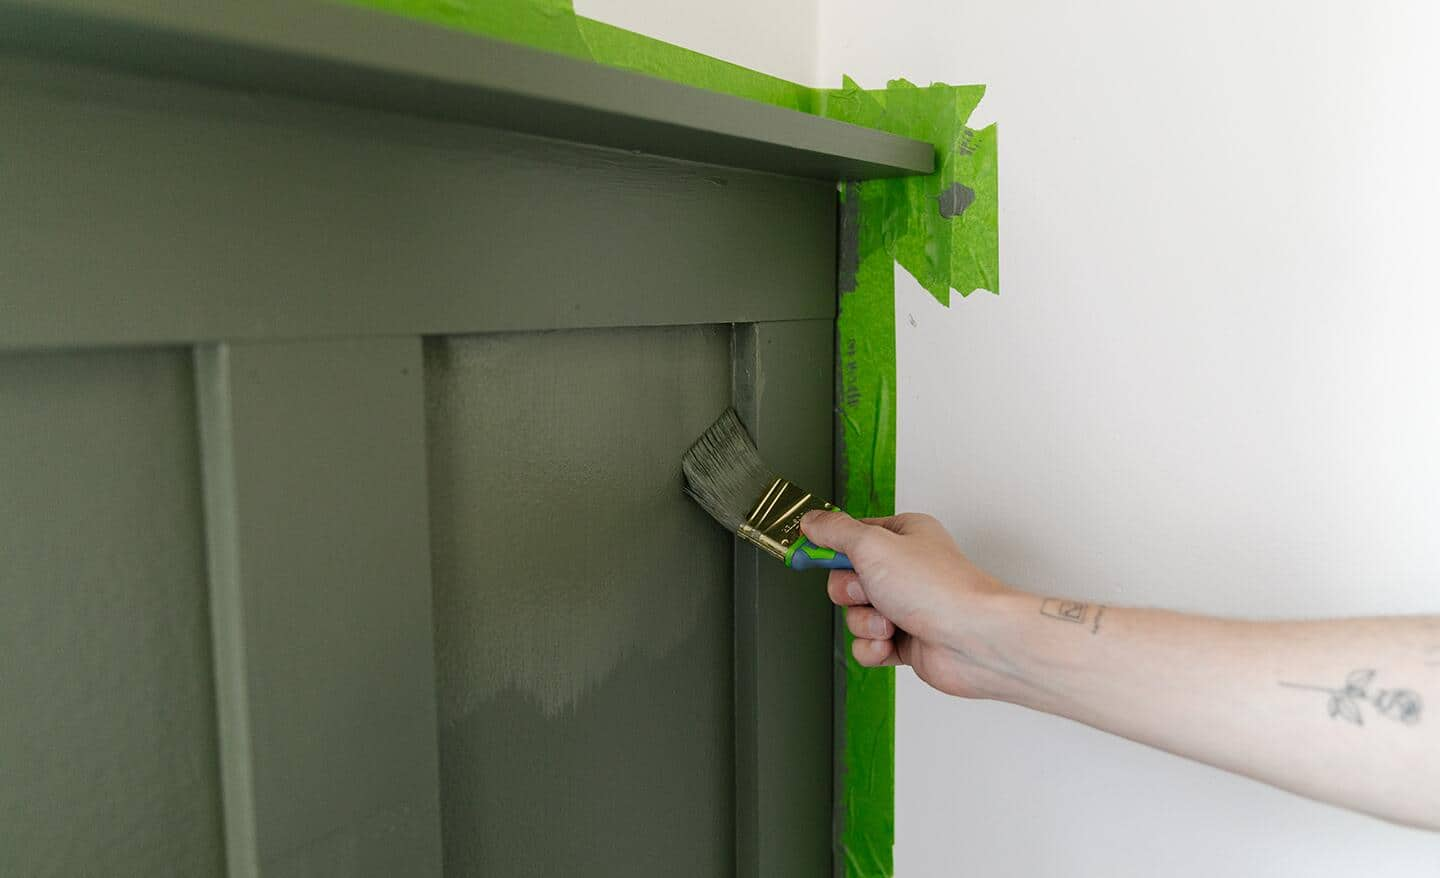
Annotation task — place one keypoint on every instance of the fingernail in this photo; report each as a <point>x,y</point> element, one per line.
<point>856,592</point>
<point>877,626</point>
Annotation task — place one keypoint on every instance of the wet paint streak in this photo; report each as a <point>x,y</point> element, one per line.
<point>535,592</point>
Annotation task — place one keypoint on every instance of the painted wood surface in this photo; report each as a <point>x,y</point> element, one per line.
<point>783,386</point>
<point>230,216</point>
<point>583,634</point>
<point>315,486</point>
<point>474,559</point>
<point>107,724</point>
<point>343,54</point>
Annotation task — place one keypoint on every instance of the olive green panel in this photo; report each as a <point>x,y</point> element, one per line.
<point>107,728</point>
<point>783,621</point>
<point>582,606</point>
<point>138,211</point>
<point>315,491</point>
<point>343,54</point>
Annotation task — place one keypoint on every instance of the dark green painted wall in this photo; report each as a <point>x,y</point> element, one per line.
<point>107,716</point>
<point>432,363</point>
<point>582,605</point>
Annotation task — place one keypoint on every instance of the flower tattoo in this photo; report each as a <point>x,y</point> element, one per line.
<point>1401,705</point>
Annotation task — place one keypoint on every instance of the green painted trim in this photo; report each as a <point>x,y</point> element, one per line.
<point>317,534</point>
<point>345,55</point>
<point>941,227</point>
<point>379,263</point>
<point>783,644</point>
<point>554,25</point>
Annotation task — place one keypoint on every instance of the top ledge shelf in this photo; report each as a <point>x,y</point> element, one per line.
<point>360,57</point>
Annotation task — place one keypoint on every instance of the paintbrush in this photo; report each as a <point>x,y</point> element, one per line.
<point>725,475</point>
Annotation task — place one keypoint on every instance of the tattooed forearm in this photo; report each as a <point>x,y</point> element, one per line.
<point>1078,612</point>
<point>1065,611</point>
<point>1402,705</point>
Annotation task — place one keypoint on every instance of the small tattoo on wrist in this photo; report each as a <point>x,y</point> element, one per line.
<point>1099,614</point>
<point>1065,611</point>
<point>1401,705</point>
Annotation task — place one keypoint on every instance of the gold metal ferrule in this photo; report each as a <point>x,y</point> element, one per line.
<point>774,522</point>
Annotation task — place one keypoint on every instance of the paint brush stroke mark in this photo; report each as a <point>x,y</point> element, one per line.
<point>532,594</point>
<point>902,221</point>
<point>848,269</point>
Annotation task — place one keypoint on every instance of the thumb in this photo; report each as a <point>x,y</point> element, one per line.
<point>834,530</point>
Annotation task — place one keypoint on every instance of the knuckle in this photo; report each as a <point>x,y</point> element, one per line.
<point>820,525</point>
<point>920,519</point>
<point>869,540</point>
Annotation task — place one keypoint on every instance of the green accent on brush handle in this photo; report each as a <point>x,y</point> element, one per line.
<point>805,555</point>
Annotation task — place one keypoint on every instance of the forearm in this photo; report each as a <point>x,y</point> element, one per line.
<point>1333,710</point>
<point>1336,710</point>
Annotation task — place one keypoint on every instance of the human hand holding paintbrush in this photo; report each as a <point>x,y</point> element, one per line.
<point>914,598</point>
<point>1331,709</point>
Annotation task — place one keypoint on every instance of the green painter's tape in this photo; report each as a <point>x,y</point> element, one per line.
<point>941,228</point>
<point>544,24</point>
<point>616,47</point>
<point>554,26</point>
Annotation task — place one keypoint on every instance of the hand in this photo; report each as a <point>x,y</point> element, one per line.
<point>915,599</point>
<point>1155,676</point>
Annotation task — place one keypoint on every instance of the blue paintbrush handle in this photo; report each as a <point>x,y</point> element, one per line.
<point>805,555</point>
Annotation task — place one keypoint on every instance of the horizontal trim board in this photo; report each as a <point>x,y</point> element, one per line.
<point>137,211</point>
<point>366,58</point>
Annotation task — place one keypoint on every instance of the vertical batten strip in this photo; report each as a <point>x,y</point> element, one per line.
<point>212,376</point>
<point>318,536</point>
<point>747,606</point>
<point>783,390</point>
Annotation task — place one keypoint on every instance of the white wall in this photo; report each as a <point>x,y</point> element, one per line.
<point>1212,383</point>
<point>778,37</point>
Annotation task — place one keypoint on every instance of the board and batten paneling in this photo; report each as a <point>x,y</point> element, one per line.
<point>314,461</point>
<point>583,633</point>
<point>107,713</point>
<point>785,649</point>
<point>224,216</point>
<point>382,567</point>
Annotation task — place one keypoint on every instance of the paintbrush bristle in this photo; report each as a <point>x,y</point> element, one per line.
<point>724,472</point>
